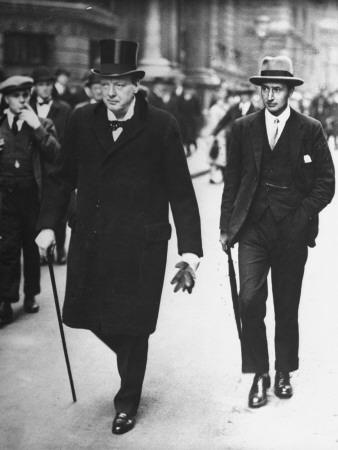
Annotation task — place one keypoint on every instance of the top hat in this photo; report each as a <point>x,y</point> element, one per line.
<point>15,83</point>
<point>118,58</point>
<point>276,69</point>
<point>42,74</point>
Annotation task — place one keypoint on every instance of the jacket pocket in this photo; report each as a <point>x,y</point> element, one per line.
<point>157,232</point>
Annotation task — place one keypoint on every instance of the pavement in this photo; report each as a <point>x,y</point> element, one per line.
<point>195,397</point>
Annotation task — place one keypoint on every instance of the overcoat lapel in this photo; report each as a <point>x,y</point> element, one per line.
<point>101,127</point>
<point>104,134</point>
<point>128,134</point>
<point>257,134</point>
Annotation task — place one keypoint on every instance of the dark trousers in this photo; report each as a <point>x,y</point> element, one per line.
<point>19,209</point>
<point>266,245</point>
<point>131,354</point>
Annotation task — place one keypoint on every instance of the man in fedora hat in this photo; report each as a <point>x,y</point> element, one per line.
<point>45,104</point>
<point>28,148</point>
<point>126,160</point>
<point>280,175</point>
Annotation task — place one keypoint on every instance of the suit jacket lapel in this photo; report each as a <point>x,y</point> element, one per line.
<point>296,135</point>
<point>257,134</point>
<point>53,110</point>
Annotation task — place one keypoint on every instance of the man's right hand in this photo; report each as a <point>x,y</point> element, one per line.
<point>224,240</point>
<point>44,240</point>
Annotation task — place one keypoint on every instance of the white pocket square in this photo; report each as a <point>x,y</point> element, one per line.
<point>307,159</point>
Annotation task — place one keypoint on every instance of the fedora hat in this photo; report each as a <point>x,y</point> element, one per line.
<point>118,58</point>
<point>276,69</point>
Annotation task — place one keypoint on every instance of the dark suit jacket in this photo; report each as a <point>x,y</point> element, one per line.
<point>315,180</point>
<point>118,247</point>
<point>59,113</point>
<point>233,113</point>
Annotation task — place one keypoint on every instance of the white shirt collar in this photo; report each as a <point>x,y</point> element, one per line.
<point>10,118</point>
<point>129,114</point>
<point>282,118</point>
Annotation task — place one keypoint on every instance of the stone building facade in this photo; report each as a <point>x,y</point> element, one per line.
<point>204,40</point>
<point>53,33</point>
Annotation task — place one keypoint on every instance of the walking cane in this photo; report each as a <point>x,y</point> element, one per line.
<point>234,293</point>
<point>58,313</point>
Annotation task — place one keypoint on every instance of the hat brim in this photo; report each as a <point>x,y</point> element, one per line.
<point>259,80</point>
<point>11,89</point>
<point>137,73</point>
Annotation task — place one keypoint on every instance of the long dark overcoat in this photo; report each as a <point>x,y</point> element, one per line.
<point>313,171</point>
<point>118,247</point>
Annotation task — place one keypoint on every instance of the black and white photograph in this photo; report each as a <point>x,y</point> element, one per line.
<point>168,225</point>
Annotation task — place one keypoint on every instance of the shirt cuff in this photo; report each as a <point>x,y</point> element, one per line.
<point>191,259</point>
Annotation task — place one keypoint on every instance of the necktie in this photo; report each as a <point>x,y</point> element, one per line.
<point>15,129</point>
<point>274,136</point>
<point>115,124</point>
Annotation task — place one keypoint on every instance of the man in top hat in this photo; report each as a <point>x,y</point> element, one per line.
<point>280,175</point>
<point>126,160</point>
<point>28,147</point>
<point>46,105</point>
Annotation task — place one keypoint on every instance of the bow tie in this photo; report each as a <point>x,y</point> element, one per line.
<point>44,102</point>
<point>115,124</point>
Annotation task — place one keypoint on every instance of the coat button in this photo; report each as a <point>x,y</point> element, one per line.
<point>98,204</point>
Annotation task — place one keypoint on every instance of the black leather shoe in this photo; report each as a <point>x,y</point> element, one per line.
<point>257,394</point>
<point>283,388</point>
<point>30,305</point>
<point>122,423</point>
<point>6,313</point>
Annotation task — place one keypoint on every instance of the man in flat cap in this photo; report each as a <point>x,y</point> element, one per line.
<point>127,162</point>
<point>28,147</point>
<point>279,176</point>
<point>45,105</point>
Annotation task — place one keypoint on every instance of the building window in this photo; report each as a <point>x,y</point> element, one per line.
<point>28,49</point>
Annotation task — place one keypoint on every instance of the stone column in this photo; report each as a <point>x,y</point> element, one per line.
<point>197,26</point>
<point>153,62</point>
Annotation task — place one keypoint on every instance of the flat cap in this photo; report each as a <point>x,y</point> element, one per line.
<point>15,83</point>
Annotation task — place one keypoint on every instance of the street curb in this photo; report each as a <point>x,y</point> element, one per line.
<point>199,174</point>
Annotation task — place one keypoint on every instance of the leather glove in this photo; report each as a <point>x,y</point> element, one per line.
<point>184,278</point>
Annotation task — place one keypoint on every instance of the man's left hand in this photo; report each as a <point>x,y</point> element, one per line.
<point>184,278</point>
